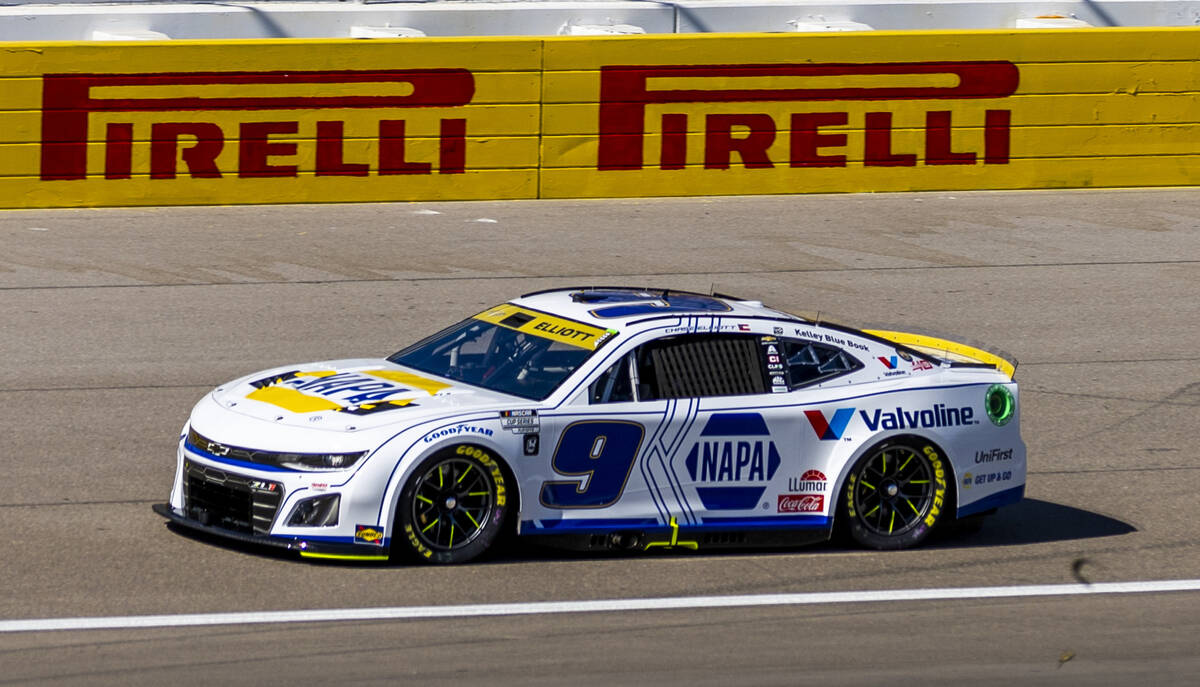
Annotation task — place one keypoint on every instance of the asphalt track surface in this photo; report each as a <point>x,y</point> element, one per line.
<point>116,321</point>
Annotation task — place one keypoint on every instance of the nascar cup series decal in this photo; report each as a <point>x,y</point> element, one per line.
<point>358,393</point>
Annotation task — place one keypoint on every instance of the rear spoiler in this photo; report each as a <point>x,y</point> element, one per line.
<point>947,350</point>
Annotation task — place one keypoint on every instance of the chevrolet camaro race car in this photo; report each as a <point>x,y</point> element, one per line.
<point>607,418</point>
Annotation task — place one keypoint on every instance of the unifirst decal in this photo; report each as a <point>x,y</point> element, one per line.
<point>68,100</point>
<point>625,93</point>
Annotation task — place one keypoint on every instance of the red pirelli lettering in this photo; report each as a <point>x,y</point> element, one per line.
<point>67,102</point>
<point>200,157</point>
<point>625,92</point>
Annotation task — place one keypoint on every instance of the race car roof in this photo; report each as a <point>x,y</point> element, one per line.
<point>618,306</point>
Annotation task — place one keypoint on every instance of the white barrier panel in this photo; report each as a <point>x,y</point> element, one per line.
<point>39,21</point>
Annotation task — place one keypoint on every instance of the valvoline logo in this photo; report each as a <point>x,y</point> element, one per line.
<point>829,429</point>
<point>735,452</point>
<point>937,415</point>
<point>892,364</point>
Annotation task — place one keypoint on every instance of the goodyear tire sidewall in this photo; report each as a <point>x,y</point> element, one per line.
<point>939,467</point>
<point>410,544</point>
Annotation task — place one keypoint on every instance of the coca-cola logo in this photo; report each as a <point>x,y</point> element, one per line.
<point>801,503</point>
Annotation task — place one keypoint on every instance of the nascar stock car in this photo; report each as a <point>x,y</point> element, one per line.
<point>607,418</point>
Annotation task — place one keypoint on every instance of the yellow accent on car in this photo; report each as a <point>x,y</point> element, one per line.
<point>429,386</point>
<point>673,542</point>
<point>342,556</point>
<point>546,326</point>
<point>948,350</point>
<point>290,399</point>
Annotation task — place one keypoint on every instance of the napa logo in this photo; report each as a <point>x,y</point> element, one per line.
<point>354,392</point>
<point>733,460</point>
<point>829,429</point>
<point>349,387</point>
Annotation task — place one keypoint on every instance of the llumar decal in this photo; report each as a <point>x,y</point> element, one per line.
<point>546,326</point>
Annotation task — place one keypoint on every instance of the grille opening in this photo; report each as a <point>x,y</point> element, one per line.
<point>232,502</point>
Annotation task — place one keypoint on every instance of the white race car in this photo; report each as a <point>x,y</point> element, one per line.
<point>607,418</point>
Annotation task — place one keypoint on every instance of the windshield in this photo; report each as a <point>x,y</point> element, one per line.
<point>500,357</point>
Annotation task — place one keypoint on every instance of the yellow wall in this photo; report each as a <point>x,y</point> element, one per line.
<point>425,119</point>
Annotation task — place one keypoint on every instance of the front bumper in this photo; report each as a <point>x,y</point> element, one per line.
<point>307,548</point>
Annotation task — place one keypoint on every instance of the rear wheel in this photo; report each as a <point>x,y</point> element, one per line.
<point>452,506</point>
<point>896,494</point>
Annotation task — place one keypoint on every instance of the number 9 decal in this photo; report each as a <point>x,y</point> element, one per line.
<point>600,453</point>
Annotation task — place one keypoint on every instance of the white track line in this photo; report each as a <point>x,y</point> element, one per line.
<point>659,604</point>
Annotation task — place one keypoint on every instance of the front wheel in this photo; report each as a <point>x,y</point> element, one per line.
<point>452,506</point>
<point>895,495</point>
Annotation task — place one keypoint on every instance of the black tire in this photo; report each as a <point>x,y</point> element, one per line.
<point>896,494</point>
<point>452,506</point>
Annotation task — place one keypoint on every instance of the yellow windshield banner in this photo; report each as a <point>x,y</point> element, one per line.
<point>546,326</point>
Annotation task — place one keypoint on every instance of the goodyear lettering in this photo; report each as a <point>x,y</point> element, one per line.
<point>492,466</point>
<point>939,494</point>
<point>625,94</point>
<point>68,102</point>
<point>937,416</point>
<point>456,430</point>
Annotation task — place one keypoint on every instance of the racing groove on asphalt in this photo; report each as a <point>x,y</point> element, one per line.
<point>117,320</point>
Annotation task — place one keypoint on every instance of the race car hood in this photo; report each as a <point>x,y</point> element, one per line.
<point>349,395</point>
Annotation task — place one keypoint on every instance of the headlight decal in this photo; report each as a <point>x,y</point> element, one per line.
<point>304,462</point>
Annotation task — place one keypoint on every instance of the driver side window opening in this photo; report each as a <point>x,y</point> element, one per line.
<point>710,365</point>
<point>616,384</point>
<point>809,363</point>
